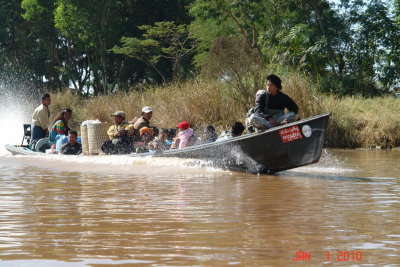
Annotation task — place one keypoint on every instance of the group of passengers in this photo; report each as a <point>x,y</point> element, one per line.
<point>139,136</point>
<point>59,129</point>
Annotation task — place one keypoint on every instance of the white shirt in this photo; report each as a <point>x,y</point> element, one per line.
<point>40,116</point>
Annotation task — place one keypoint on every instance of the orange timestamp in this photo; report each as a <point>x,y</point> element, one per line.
<point>336,256</point>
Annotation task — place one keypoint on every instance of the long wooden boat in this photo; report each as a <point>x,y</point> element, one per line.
<point>280,148</point>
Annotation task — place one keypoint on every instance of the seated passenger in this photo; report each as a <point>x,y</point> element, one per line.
<point>60,125</point>
<point>61,140</point>
<point>146,136</point>
<point>170,137</point>
<point>269,106</point>
<point>185,136</point>
<point>236,130</point>
<point>209,135</point>
<point>144,120</point>
<point>160,142</point>
<point>72,147</point>
<point>120,135</point>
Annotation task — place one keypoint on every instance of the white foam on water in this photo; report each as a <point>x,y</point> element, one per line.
<point>118,164</point>
<point>322,169</point>
<point>328,163</point>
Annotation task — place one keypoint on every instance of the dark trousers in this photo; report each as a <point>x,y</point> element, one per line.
<point>120,145</point>
<point>38,133</point>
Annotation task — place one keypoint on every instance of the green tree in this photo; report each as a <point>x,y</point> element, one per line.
<point>164,40</point>
<point>13,35</point>
<point>293,32</point>
<point>23,52</point>
<point>357,41</point>
<point>39,15</point>
<point>90,28</point>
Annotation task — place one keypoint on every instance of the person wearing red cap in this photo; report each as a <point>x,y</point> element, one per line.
<point>185,137</point>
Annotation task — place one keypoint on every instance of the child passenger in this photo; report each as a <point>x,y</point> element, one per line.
<point>72,147</point>
<point>160,142</point>
<point>146,135</point>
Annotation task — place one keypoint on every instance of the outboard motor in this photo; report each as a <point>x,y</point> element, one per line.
<point>41,145</point>
<point>27,135</point>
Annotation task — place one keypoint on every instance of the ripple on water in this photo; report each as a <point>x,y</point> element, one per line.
<point>85,211</point>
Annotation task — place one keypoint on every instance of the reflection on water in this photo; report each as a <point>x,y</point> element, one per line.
<point>87,211</point>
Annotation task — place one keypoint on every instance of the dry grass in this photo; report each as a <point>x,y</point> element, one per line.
<point>355,121</point>
<point>67,99</point>
<point>360,122</point>
<point>299,88</point>
<point>200,103</point>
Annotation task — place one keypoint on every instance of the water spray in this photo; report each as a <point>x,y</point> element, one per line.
<point>17,102</point>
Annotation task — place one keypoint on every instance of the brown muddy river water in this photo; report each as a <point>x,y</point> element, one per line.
<point>98,211</point>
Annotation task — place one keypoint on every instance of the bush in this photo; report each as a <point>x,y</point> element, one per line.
<point>241,67</point>
<point>348,86</point>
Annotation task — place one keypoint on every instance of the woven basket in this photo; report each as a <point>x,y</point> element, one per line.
<point>84,139</point>
<point>97,134</point>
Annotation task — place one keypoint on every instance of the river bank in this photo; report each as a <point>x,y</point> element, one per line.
<point>356,122</point>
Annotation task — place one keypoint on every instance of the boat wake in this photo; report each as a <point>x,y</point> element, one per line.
<point>116,164</point>
<point>120,164</point>
<point>328,164</point>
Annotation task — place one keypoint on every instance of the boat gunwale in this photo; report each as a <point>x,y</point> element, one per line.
<point>239,138</point>
<point>24,151</point>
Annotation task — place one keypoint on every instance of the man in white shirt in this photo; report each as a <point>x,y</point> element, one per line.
<point>40,119</point>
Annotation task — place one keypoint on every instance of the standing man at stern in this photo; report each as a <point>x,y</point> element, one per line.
<point>40,119</point>
<point>270,104</point>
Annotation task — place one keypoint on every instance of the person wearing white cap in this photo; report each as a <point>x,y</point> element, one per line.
<point>144,120</point>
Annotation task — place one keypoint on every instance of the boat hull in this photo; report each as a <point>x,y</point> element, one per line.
<point>19,150</point>
<point>281,148</point>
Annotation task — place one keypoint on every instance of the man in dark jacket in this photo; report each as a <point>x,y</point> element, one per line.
<point>72,147</point>
<point>270,104</point>
<point>144,120</point>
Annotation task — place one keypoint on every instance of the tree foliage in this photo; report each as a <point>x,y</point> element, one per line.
<point>348,47</point>
<point>164,40</point>
<point>335,44</point>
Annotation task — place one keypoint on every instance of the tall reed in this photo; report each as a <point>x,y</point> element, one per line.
<point>361,122</point>
<point>355,121</point>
